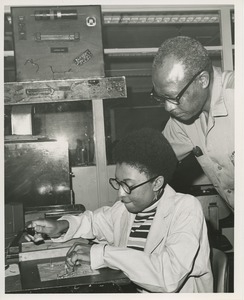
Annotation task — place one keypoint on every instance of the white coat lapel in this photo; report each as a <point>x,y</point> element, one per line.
<point>126,222</point>
<point>162,219</point>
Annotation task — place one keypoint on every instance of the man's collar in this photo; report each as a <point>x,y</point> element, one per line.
<point>217,106</point>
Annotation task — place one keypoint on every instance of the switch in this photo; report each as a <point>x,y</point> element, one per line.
<point>22,28</point>
<point>91,21</point>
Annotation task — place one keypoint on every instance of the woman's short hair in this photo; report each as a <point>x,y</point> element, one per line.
<point>148,151</point>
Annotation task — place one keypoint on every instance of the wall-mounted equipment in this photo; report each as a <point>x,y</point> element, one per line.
<point>53,43</point>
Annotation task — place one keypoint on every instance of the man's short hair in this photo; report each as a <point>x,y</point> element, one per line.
<point>186,50</point>
<point>148,151</point>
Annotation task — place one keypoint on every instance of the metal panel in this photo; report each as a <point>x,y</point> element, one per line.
<point>54,43</point>
<point>37,173</point>
<point>64,90</point>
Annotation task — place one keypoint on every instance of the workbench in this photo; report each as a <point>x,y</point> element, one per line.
<point>28,274</point>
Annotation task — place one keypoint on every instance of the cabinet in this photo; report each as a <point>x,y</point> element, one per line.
<point>131,36</point>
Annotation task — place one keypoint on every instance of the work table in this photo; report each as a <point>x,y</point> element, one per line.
<point>38,267</point>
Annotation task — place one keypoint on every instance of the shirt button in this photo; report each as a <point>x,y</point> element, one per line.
<point>219,167</point>
<point>229,191</point>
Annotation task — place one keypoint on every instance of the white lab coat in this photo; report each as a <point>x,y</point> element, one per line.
<point>176,254</point>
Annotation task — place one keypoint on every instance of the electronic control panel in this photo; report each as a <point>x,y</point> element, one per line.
<point>64,90</point>
<point>53,43</point>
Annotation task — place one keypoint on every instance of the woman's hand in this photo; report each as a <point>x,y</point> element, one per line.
<point>76,254</point>
<point>52,228</point>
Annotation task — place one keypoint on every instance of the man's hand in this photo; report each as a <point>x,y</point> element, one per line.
<point>76,254</point>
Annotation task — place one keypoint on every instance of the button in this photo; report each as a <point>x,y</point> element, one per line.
<point>219,167</point>
<point>229,191</point>
<point>91,21</point>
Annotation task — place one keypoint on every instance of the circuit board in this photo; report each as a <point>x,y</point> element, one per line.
<point>57,270</point>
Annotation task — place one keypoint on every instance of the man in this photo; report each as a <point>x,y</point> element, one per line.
<point>156,236</point>
<point>200,100</point>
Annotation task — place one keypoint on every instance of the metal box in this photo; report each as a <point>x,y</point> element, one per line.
<point>61,42</point>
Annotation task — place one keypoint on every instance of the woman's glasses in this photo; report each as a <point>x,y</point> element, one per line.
<point>116,184</point>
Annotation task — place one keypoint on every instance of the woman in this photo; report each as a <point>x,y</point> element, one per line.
<point>156,236</point>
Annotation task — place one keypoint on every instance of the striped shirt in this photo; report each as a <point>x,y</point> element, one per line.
<point>141,227</point>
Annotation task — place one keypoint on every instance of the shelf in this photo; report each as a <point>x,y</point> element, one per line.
<point>134,51</point>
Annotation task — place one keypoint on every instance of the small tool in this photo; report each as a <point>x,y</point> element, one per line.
<point>38,237</point>
<point>30,230</point>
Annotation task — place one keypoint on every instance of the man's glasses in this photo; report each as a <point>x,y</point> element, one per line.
<point>116,184</point>
<point>176,100</point>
